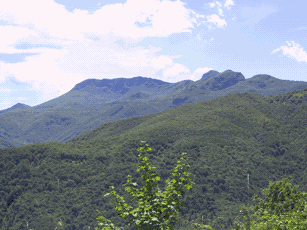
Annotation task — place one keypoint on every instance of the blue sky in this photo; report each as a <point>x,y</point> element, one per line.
<point>48,46</point>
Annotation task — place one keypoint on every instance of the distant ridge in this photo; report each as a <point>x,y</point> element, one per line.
<point>94,102</point>
<point>15,107</point>
<point>209,74</point>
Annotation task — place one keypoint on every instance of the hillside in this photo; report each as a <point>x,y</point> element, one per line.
<point>226,139</point>
<point>94,102</point>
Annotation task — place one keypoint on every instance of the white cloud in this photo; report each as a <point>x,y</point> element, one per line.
<point>228,3</point>
<point>198,37</point>
<point>175,70</point>
<point>197,15</point>
<point>217,3</point>
<point>138,11</point>
<point>89,42</point>
<point>295,52</point>
<point>213,4</point>
<point>183,73</point>
<point>53,72</point>
<point>198,73</point>
<point>13,35</point>
<point>215,19</point>
<point>221,12</point>
<point>161,62</point>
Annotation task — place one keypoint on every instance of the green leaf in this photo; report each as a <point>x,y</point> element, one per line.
<point>147,210</point>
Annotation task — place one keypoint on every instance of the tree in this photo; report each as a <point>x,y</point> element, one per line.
<point>156,209</point>
<point>291,220</point>
<point>283,208</point>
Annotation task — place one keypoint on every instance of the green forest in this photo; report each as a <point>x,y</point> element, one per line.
<point>236,145</point>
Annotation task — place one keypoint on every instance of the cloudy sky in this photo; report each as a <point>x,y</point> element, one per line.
<point>48,46</point>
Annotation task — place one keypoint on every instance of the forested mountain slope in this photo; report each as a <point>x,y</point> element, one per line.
<point>226,139</point>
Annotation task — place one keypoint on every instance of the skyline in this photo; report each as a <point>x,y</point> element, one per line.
<point>43,56</point>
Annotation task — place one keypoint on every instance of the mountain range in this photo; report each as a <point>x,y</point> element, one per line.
<point>94,102</point>
<point>236,145</point>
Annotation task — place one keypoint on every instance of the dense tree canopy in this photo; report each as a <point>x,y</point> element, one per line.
<point>236,144</point>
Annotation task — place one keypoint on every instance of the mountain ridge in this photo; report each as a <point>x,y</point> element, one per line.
<point>91,103</point>
<point>105,83</point>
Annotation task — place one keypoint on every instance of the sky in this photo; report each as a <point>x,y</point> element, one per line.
<point>49,46</point>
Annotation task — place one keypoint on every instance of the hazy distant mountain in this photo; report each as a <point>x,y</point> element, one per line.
<point>94,102</point>
<point>15,107</point>
<point>209,74</point>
